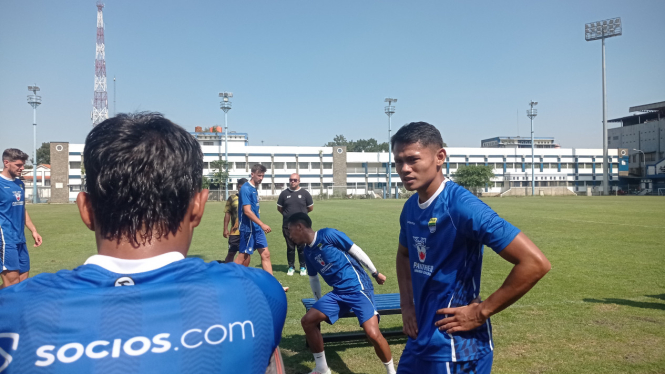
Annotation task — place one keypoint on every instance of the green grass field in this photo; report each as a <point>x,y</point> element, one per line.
<point>601,309</point>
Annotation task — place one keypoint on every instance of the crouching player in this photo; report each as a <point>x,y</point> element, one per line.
<point>139,305</point>
<point>333,255</point>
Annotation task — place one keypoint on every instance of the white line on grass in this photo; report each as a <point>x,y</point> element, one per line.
<point>604,223</point>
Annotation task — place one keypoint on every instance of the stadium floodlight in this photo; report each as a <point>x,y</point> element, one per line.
<point>390,110</point>
<point>225,105</point>
<point>532,113</point>
<point>594,31</point>
<point>34,100</point>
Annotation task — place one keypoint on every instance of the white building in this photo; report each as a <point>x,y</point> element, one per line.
<point>330,170</point>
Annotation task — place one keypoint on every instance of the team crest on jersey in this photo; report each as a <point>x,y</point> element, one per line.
<point>421,247</point>
<point>432,225</point>
<point>299,196</point>
<point>320,260</point>
<point>17,195</point>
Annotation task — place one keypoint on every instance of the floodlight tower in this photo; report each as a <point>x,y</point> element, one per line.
<point>532,113</point>
<point>34,100</point>
<point>390,110</point>
<point>594,31</point>
<point>100,104</point>
<point>225,105</point>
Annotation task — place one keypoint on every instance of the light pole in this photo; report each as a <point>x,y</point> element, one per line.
<point>225,105</point>
<point>34,100</point>
<point>594,31</point>
<point>644,157</point>
<point>390,110</point>
<point>532,113</point>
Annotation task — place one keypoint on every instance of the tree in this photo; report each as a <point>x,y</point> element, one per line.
<point>337,140</point>
<point>205,184</point>
<point>473,178</point>
<point>361,145</point>
<point>44,154</point>
<point>220,173</point>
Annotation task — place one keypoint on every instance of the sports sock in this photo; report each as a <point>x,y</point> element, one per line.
<point>321,364</point>
<point>390,367</point>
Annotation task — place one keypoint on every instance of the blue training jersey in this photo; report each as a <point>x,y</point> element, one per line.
<point>185,317</point>
<point>328,256</point>
<point>248,196</point>
<point>445,237</point>
<point>12,212</point>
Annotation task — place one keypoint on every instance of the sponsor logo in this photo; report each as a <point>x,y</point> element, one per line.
<point>411,223</point>
<point>124,281</point>
<point>299,196</point>
<point>432,225</point>
<point>423,269</point>
<point>139,345</point>
<point>288,197</point>
<point>421,247</point>
<point>17,195</point>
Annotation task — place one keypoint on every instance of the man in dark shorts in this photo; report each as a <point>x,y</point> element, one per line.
<point>294,200</point>
<point>231,216</point>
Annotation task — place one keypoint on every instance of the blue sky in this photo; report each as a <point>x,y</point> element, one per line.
<point>303,71</point>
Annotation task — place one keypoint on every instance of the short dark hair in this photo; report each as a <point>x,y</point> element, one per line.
<point>418,132</point>
<point>142,172</point>
<point>241,181</point>
<point>300,217</point>
<point>258,167</point>
<point>13,154</point>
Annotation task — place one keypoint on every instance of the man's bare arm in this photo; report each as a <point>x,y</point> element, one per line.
<point>310,208</point>
<point>530,266</point>
<point>227,219</point>
<point>33,229</point>
<point>409,322</point>
<point>247,210</point>
<point>280,209</point>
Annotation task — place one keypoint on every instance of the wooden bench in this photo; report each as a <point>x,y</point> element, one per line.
<point>386,304</point>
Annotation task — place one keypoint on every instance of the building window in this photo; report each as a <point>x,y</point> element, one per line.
<point>268,165</point>
<point>75,188</point>
<point>240,165</point>
<point>303,165</point>
<point>279,166</point>
<point>327,165</point>
<point>206,165</point>
<point>75,164</point>
<point>208,143</point>
<point>453,165</point>
<point>316,165</point>
<point>290,165</point>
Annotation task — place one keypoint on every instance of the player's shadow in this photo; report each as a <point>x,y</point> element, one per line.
<point>635,304</point>
<point>333,350</point>
<point>280,268</point>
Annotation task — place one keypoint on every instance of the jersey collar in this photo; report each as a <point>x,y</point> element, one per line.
<point>5,178</point>
<point>293,190</point>
<point>121,266</point>
<point>429,201</point>
<point>311,245</point>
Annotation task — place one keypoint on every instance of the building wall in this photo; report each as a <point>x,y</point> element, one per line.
<point>60,173</point>
<point>648,137</point>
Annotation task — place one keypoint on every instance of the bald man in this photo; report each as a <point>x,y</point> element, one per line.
<point>294,200</point>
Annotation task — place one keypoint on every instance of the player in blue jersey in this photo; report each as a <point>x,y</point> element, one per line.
<point>333,255</point>
<point>14,258</point>
<point>439,259</point>
<point>140,306</point>
<point>252,230</point>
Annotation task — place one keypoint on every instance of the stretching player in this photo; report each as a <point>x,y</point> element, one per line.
<point>231,216</point>
<point>327,253</point>
<point>14,258</point>
<point>140,306</point>
<point>252,230</point>
<point>439,259</point>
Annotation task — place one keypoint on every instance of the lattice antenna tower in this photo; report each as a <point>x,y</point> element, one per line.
<point>100,104</point>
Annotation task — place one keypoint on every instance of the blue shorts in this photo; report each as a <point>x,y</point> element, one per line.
<point>15,257</point>
<point>409,363</point>
<point>335,305</point>
<point>251,240</point>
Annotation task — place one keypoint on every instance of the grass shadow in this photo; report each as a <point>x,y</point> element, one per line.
<point>661,296</point>
<point>334,352</point>
<point>631,303</point>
